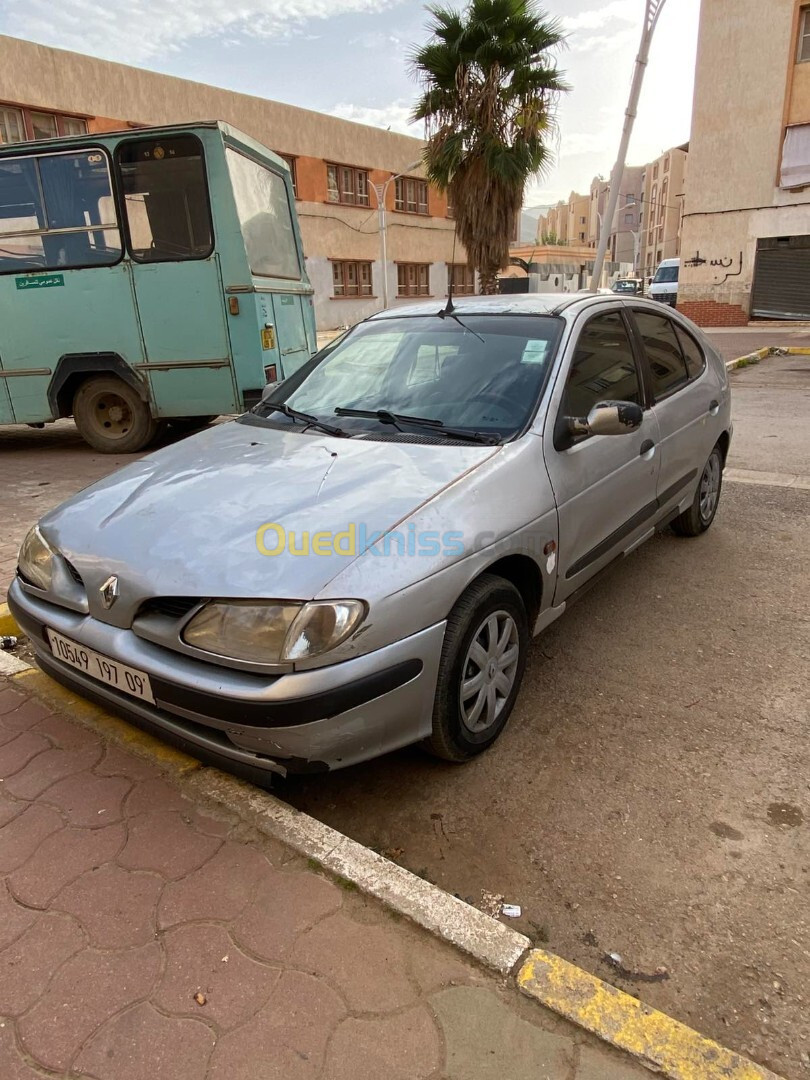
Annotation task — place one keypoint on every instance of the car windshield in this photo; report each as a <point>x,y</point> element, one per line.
<point>665,273</point>
<point>625,286</point>
<point>472,373</point>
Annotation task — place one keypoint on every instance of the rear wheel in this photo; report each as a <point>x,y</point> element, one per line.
<point>481,668</point>
<point>112,417</point>
<point>700,515</point>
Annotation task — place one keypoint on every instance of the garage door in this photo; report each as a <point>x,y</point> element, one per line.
<point>782,278</point>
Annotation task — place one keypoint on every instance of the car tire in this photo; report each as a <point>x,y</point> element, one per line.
<point>700,515</point>
<point>486,642</point>
<point>112,417</point>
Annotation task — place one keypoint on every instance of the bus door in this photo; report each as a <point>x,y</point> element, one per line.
<point>64,289</point>
<point>176,275</point>
<point>274,255</point>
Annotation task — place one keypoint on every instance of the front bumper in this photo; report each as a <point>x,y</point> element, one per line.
<point>309,721</point>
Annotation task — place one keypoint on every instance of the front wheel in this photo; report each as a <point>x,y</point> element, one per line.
<point>112,417</point>
<point>700,515</point>
<point>481,668</point>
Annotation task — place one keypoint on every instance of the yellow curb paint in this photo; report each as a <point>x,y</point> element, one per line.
<point>8,624</point>
<point>796,350</point>
<point>656,1040</point>
<point>111,727</point>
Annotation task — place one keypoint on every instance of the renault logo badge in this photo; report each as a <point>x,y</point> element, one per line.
<point>109,591</point>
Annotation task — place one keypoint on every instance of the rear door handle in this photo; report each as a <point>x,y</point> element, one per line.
<point>714,408</point>
<point>646,447</point>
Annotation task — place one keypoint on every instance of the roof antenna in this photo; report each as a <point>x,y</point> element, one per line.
<point>449,307</point>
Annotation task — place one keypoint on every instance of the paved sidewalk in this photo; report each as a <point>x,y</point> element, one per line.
<point>144,936</point>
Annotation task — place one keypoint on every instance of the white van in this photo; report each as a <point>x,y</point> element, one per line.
<point>664,286</point>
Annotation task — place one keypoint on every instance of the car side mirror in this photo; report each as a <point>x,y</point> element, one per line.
<point>609,418</point>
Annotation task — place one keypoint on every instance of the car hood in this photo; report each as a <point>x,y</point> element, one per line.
<point>184,520</point>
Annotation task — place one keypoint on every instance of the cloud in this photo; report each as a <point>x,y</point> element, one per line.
<point>141,30</point>
<point>394,116</point>
<point>623,10</point>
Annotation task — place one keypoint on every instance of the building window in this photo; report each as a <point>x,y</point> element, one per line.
<point>462,278</point>
<point>413,279</point>
<point>351,278</point>
<point>581,236</point>
<point>345,184</point>
<point>451,206</point>
<point>582,221</point>
<point>804,34</point>
<point>43,125</point>
<point>291,166</point>
<point>655,171</point>
<point>629,219</point>
<point>12,129</point>
<point>629,199</point>
<point>411,196</point>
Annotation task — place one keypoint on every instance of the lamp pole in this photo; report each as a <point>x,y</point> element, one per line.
<point>653,9</point>
<point>380,193</point>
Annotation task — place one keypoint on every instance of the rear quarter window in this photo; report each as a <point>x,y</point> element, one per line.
<point>692,352</point>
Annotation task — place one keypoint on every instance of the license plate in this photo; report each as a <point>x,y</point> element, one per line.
<point>100,667</point>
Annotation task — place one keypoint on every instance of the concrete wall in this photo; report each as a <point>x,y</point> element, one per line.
<point>748,85</point>
<point>60,81</point>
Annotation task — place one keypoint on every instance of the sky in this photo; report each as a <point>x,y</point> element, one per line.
<point>350,58</point>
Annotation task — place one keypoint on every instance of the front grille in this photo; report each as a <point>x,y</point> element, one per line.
<point>74,573</point>
<point>173,607</point>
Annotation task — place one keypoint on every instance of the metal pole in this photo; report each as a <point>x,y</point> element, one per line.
<point>384,242</point>
<point>653,10</point>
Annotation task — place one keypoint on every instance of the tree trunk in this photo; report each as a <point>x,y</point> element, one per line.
<point>488,279</point>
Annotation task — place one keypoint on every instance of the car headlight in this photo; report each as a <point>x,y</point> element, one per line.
<point>36,559</point>
<point>273,632</point>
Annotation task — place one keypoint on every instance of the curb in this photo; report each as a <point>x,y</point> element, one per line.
<point>657,1041</point>
<point>8,624</point>
<point>762,354</point>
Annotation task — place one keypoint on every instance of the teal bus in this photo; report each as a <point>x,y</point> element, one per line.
<point>147,276</point>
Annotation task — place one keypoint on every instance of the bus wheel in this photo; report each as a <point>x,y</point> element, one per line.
<point>112,417</point>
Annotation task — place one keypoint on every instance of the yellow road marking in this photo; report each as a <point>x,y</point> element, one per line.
<point>8,624</point>
<point>658,1041</point>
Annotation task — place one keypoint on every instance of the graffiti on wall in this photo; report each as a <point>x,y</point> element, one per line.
<point>723,264</point>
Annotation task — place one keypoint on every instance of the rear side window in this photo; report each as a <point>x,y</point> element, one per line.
<point>166,199</point>
<point>57,212</point>
<point>603,367</point>
<point>692,352</point>
<point>265,218</point>
<point>667,365</point>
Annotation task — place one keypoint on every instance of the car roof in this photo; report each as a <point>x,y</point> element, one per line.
<point>502,304</point>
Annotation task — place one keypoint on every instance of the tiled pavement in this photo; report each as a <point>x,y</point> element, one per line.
<point>146,937</point>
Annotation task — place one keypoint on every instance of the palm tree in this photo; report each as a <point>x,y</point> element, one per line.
<point>490,87</point>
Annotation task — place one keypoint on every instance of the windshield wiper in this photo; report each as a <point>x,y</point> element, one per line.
<point>304,418</point>
<point>436,426</point>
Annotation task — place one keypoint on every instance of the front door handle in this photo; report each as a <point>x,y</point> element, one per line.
<point>646,447</point>
<point>714,408</point>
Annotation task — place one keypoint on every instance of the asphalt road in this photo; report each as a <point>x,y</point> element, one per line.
<point>650,797</point>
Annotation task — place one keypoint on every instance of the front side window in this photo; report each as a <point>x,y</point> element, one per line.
<point>166,199</point>
<point>57,212</point>
<point>664,356</point>
<point>483,373</point>
<point>265,217</point>
<point>603,367</point>
<point>413,279</point>
<point>12,129</point>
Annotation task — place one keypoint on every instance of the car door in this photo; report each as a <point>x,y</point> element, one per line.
<point>604,485</point>
<point>686,400</point>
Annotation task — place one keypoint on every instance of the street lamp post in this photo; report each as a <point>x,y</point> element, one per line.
<point>653,9</point>
<point>380,193</point>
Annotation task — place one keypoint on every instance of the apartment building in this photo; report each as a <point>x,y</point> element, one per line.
<point>339,169</point>
<point>746,224</point>
<point>661,211</point>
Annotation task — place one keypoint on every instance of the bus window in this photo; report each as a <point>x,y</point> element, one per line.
<point>57,212</point>
<point>265,218</point>
<point>166,199</point>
